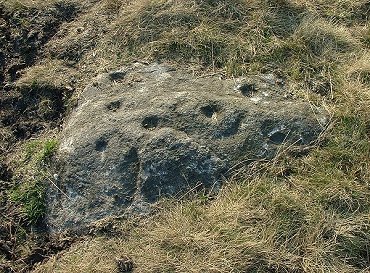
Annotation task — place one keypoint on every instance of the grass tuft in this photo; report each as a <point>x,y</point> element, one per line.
<point>31,176</point>
<point>30,195</point>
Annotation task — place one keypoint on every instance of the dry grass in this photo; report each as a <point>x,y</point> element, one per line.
<point>52,72</point>
<point>24,4</point>
<point>295,38</point>
<point>301,214</point>
<point>254,226</point>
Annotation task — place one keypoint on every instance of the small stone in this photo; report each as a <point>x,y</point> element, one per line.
<point>124,264</point>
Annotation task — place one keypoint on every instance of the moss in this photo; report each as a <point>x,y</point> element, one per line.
<point>31,197</point>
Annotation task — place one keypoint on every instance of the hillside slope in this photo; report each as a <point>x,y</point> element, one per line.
<point>301,212</point>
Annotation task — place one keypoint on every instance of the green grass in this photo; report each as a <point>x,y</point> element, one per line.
<point>39,152</point>
<point>31,177</point>
<point>48,150</point>
<point>30,196</point>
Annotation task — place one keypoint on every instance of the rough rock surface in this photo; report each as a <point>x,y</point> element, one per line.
<point>148,131</point>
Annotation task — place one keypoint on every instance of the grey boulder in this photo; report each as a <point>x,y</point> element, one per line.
<point>151,131</point>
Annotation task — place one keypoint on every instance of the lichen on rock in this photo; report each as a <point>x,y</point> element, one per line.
<point>148,131</point>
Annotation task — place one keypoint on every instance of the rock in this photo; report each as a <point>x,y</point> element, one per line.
<point>150,131</point>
